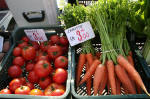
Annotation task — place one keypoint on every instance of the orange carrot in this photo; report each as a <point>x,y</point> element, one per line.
<point>89,58</point>
<point>98,76</point>
<point>80,65</point>
<point>104,82</point>
<point>90,72</point>
<point>89,81</point>
<point>111,76</point>
<point>130,60</point>
<point>118,89</point>
<point>138,89</point>
<point>131,71</point>
<point>123,77</point>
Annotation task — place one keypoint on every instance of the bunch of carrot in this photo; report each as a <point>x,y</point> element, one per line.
<point>115,69</point>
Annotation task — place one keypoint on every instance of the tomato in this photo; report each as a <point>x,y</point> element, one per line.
<point>29,66</point>
<point>65,49</point>
<point>35,44</point>
<point>54,51</point>
<point>17,51</point>
<point>32,77</point>
<point>52,87</point>
<point>14,84</point>
<point>61,62</point>
<point>55,39</point>
<point>14,71</point>
<point>19,61</point>
<point>22,44</point>
<point>28,53</point>
<point>44,82</point>
<point>30,85</point>
<point>64,41</point>
<point>60,76</point>
<point>57,92</point>
<point>42,68</point>
<point>23,90</point>
<point>36,92</point>
<point>23,80</point>
<point>42,56</point>
<point>44,46</point>
<point>5,91</point>
<point>25,38</point>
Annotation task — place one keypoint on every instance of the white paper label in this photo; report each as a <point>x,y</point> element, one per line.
<point>1,43</point>
<point>80,33</point>
<point>36,34</point>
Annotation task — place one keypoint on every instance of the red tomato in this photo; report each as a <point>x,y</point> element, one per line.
<point>44,82</point>
<point>42,68</point>
<point>22,44</point>
<point>60,76</point>
<point>36,92</point>
<point>25,38</point>
<point>30,85</point>
<point>14,84</point>
<point>17,51</point>
<point>65,49</point>
<point>18,61</point>
<point>64,41</point>
<point>28,53</point>
<point>42,56</point>
<point>35,44</point>
<point>23,80</point>
<point>52,87</point>
<point>5,91</point>
<point>61,62</point>
<point>57,92</point>
<point>32,77</point>
<point>14,71</point>
<point>44,46</point>
<point>54,51</point>
<point>29,66</point>
<point>55,39</point>
<point>23,90</point>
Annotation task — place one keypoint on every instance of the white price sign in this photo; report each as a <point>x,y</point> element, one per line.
<point>36,34</point>
<point>80,33</point>
<point>1,43</point>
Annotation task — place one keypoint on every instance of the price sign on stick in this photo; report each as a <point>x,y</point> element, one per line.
<point>36,34</point>
<point>80,33</point>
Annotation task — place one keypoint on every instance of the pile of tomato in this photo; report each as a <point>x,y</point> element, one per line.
<point>45,65</point>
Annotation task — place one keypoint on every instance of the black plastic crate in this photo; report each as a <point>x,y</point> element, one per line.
<point>5,79</point>
<point>80,92</point>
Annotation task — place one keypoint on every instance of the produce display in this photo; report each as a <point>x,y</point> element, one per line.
<point>39,68</point>
<point>113,70</point>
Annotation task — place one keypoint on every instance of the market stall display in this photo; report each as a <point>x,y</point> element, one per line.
<point>41,68</point>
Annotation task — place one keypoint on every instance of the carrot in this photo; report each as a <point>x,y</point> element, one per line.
<point>104,82</point>
<point>118,89</point>
<point>131,71</point>
<point>90,72</point>
<point>123,77</point>
<point>80,65</point>
<point>89,58</point>
<point>111,76</point>
<point>138,89</point>
<point>130,59</point>
<point>99,74</point>
<point>89,81</point>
